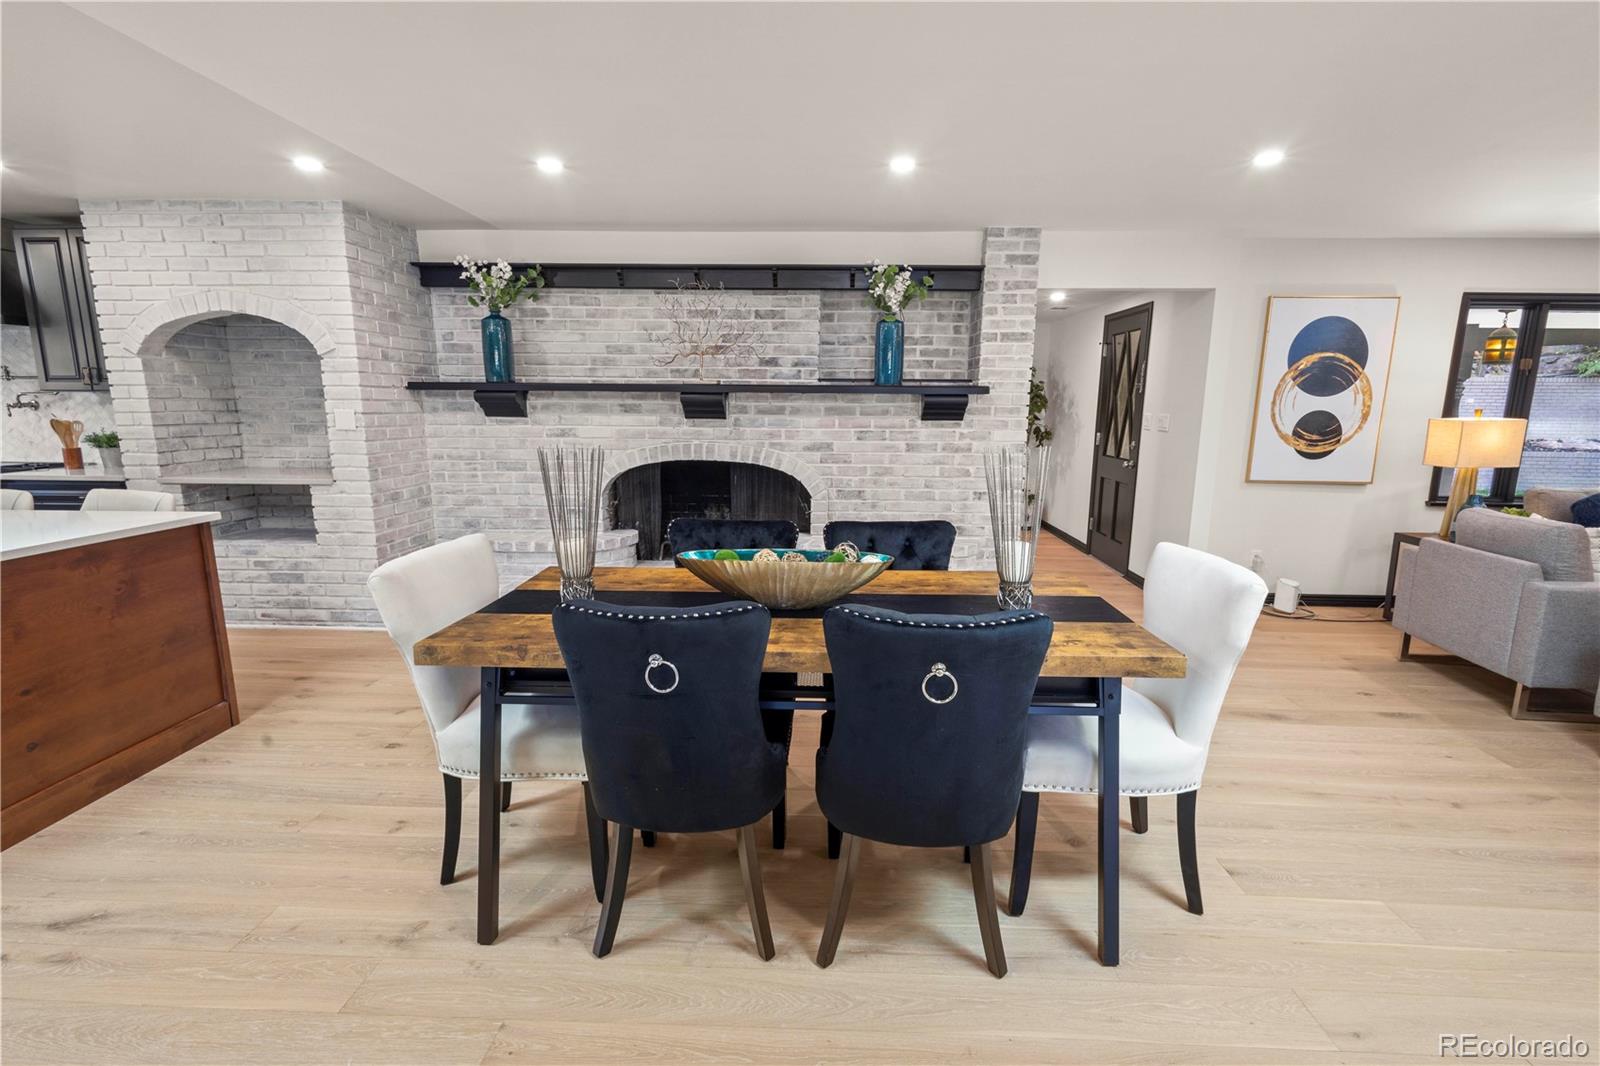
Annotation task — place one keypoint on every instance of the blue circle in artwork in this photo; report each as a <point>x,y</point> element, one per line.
<point>1331,333</point>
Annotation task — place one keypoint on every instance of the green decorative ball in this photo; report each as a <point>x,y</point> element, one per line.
<point>836,557</point>
<point>727,555</point>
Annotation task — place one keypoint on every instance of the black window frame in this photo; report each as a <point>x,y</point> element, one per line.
<point>1536,308</point>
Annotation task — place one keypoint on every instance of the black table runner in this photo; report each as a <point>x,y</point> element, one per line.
<point>1058,608</point>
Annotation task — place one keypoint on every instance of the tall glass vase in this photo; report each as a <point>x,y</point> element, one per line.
<point>1017,482</point>
<point>497,348</point>
<point>572,489</point>
<point>889,354</point>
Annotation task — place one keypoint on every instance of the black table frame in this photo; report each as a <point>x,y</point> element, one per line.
<point>1098,696</point>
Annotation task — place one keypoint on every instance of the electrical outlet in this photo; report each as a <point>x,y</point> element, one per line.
<point>1163,423</point>
<point>1258,561</point>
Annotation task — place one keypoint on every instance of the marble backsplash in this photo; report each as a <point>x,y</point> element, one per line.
<point>25,434</point>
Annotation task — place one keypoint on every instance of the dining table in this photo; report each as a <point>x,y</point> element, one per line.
<point>1094,647</point>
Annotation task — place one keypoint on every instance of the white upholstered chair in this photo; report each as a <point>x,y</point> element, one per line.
<point>15,500</point>
<point>1205,607</point>
<point>128,500</point>
<point>418,595</point>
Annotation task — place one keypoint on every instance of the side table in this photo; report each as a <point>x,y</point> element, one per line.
<point>1394,566</point>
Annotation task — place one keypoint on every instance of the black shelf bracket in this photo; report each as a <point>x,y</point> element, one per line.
<point>499,404</point>
<point>704,405</point>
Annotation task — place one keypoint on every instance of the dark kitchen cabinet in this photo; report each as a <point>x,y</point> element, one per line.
<point>55,282</point>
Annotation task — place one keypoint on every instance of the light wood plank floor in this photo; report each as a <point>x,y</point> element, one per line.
<point>1385,857</point>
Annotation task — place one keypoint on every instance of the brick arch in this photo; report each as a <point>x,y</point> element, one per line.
<point>159,323</point>
<point>815,482</point>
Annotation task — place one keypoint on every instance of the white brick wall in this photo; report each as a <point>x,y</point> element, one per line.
<point>410,469</point>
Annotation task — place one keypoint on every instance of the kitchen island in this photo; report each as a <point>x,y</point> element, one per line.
<point>115,655</point>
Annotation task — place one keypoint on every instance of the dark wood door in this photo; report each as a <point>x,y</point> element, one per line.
<point>1124,350</point>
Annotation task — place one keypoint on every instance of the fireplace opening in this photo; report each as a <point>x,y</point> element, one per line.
<point>648,497</point>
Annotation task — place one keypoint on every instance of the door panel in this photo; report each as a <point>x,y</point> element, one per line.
<point>1124,351</point>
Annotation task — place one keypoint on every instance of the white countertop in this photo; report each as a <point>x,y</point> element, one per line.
<point>93,473</point>
<point>25,533</point>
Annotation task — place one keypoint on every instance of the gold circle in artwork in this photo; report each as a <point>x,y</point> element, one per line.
<point>1288,389</point>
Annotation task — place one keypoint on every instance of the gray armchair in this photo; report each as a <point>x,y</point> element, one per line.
<point>1514,595</point>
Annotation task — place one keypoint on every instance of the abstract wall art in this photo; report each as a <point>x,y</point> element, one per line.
<point>1319,394</point>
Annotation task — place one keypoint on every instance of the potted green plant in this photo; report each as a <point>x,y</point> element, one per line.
<point>109,445</point>
<point>891,289</point>
<point>496,287</point>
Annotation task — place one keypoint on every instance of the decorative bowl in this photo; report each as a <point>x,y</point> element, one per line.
<point>787,586</point>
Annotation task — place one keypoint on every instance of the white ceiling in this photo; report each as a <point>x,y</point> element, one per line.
<point>1399,119</point>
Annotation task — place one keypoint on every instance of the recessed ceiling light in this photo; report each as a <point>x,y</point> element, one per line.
<point>1058,297</point>
<point>549,164</point>
<point>1268,157</point>
<point>902,164</point>
<point>308,163</point>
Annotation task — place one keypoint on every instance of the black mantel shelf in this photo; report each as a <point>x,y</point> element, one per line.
<point>942,401</point>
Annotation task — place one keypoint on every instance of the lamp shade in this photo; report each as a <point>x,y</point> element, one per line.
<point>1474,442</point>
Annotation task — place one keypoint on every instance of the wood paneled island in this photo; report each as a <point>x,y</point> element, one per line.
<point>113,655</point>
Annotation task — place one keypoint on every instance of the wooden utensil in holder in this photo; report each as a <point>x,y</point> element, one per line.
<point>68,433</point>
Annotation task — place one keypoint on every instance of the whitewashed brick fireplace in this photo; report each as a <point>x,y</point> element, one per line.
<point>203,304</point>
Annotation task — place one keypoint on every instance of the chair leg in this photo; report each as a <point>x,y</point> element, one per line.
<point>780,822</point>
<point>843,881</point>
<point>755,898</point>
<point>1139,809</point>
<point>834,836</point>
<point>966,854</point>
<point>647,837</point>
<point>616,889</point>
<point>505,796</point>
<point>598,848</point>
<point>1186,852</point>
<point>452,828</point>
<point>994,952</point>
<point>1022,855</point>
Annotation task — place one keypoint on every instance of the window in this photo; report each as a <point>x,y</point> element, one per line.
<point>1535,357</point>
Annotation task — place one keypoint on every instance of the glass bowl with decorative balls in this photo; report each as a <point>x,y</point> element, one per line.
<point>786,579</point>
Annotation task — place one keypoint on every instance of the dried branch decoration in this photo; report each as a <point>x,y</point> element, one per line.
<point>704,322</point>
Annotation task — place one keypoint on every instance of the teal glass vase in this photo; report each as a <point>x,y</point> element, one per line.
<point>497,348</point>
<point>889,356</point>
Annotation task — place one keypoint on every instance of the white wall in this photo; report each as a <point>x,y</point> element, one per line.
<point>937,248</point>
<point>1067,356</point>
<point>1334,539</point>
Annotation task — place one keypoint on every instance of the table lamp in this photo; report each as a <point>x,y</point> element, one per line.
<point>1466,444</point>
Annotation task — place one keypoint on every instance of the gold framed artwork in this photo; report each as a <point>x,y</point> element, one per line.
<point>1320,389</point>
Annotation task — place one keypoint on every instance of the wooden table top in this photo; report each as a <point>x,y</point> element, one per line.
<point>1078,649</point>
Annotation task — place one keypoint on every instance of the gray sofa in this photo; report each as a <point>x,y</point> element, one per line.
<point>1514,595</point>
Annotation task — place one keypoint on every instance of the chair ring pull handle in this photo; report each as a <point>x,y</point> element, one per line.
<point>940,671</point>
<point>655,661</point>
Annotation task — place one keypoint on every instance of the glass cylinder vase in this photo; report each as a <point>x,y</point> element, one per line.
<point>1016,483</point>
<point>497,348</point>
<point>573,478</point>
<point>889,354</point>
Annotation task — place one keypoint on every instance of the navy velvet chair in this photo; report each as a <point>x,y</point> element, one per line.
<point>668,710</point>
<point>914,545</point>
<point>697,534</point>
<point>927,740</point>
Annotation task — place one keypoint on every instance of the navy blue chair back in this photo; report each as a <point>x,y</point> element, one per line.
<point>697,534</point>
<point>669,713</point>
<point>930,723</point>
<point>914,545</point>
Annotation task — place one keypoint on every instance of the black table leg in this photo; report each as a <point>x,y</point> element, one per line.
<point>1110,809</point>
<point>489,808</point>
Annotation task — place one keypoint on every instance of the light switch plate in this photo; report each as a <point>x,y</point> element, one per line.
<point>1163,423</point>
<point>1149,421</point>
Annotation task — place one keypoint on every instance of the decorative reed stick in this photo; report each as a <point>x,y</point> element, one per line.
<point>1016,479</point>
<point>572,488</point>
